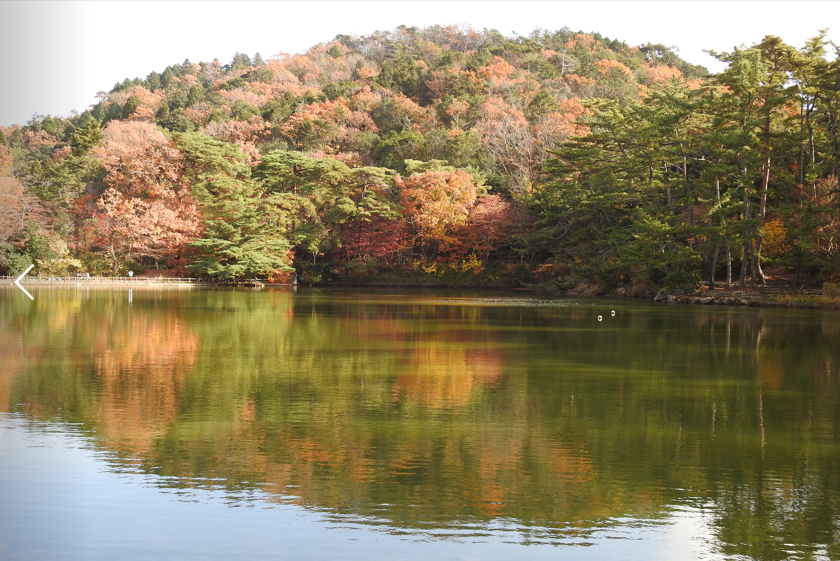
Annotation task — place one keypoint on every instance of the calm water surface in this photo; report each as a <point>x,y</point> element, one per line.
<point>361,424</point>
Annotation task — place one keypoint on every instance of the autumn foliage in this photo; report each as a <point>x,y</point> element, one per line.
<point>147,210</point>
<point>433,152</point>
<point>139,159</point>
<point>436,202</point>
<point>15,203</point>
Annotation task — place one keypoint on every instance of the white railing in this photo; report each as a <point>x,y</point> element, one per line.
<point>30,279</point>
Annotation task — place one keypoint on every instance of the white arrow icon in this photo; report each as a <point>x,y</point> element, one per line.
<point>17,282</point>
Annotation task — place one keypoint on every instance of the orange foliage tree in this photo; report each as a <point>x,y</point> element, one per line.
<point>139,159</point>
<point>434,203</point>
<point>661,73</point>
<point>560,126</point>
<point>148,210</point>
<point>317,125</point>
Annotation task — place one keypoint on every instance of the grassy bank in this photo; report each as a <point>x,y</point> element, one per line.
<point>828,300</point>
<point>807,302</point>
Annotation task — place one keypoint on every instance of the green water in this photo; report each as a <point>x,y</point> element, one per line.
<point>437,419</point>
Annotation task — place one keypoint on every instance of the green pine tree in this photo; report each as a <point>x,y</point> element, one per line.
<point>131,105</point>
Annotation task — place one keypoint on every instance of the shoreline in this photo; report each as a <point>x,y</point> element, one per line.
<point>813,299</point>
<point>809,299</point>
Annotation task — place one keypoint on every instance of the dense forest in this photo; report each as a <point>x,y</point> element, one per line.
<point>443,155</point>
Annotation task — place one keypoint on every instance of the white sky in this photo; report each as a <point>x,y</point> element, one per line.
<point>57,55</point>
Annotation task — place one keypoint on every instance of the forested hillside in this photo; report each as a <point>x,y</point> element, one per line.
<point>444,155</point>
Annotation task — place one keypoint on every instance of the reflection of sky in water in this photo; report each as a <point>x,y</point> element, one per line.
<point>62,499</point>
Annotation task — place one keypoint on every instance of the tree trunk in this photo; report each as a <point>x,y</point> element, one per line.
<point>728,267</point>
<point>688,200</point>
<point>717,249</point>
<point>714,267</point>
<point>755,266</point>
<point>758,274</point>
<point>744,260</point>
<point>747,242</point>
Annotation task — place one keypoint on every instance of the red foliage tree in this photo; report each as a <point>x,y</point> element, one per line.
<point>377,237</point>
<point>128,227</point>
<point>486,228</point>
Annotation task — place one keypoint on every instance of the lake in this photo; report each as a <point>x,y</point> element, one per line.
<point>413,424</point>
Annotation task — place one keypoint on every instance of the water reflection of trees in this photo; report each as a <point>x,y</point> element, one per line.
<point>430,415</point>
<point>120,368</point>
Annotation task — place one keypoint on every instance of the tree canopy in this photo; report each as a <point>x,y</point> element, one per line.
<point>556,158</point>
